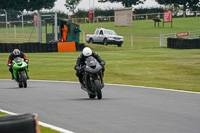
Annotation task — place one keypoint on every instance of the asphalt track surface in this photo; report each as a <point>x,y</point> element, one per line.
<point>123,109</point>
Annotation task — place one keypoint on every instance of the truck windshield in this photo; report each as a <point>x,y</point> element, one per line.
<point>110,32</point>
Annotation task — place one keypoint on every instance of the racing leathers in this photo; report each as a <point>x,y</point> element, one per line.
<point>81,62</point>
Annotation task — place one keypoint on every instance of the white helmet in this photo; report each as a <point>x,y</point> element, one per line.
<point>16,51</point>
<point>87,51</point>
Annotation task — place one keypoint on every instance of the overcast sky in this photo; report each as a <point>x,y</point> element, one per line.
<point>88,4</point>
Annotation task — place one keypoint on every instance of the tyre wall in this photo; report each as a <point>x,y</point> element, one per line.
<point>35,47</point>
<point>23,123</point>
<point>183,43</point>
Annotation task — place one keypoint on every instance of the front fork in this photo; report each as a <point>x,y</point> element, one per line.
<point>15,73</point>
<point>91,78</point>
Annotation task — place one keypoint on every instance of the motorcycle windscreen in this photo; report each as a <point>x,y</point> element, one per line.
<point>91,61</point>
<point>18,60</point>
<point>93,70</point>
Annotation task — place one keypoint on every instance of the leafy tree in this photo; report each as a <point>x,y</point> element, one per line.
<point>72,4</point>
<point>29,5</point>
<point>126,3</point>
<point>187,4</point>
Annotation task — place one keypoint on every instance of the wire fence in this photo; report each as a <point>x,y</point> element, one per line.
<point>189,34</point>
<point>17,27</point>
<point>146,16</point>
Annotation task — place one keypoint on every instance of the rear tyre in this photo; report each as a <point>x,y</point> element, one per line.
<point>98,88</point>
<point>24,80</point>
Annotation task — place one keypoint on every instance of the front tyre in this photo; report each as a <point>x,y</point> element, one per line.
<point>91,96</point>
<point>119,44</point>
<point>20,85</point>
<point>98,88</point>
<point>91,41</point>
<point>24,79</point>
<point>105,41</point>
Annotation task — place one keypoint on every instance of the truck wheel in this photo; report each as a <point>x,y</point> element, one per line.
<point>91,41</point>
<point>119,44</point>
<point>105,41</point>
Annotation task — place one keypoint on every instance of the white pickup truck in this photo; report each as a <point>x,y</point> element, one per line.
<point>105,36</point>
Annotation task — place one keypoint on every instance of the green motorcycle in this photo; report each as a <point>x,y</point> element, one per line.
<point>20,71</point>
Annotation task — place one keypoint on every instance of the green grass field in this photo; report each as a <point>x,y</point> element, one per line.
<point>144,64</point>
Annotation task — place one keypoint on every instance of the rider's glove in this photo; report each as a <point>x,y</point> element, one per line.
<point>9,65</point>
<point>77,68</point>
<point>26,61</point>
<point>102,63</point>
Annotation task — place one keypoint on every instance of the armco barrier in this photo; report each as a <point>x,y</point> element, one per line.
<point>183,43</point>
<point>36,47</point>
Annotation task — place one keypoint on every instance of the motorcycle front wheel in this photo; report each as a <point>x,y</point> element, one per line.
<point>24,79</point>
<point>98,88</point>
<point>91,96</point>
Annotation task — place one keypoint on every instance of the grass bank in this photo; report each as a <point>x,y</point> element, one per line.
<point>143,64</point>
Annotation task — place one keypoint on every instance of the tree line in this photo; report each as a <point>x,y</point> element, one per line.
<point>71,5</point>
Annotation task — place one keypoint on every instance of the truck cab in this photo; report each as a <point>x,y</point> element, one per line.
<point>105,36</point>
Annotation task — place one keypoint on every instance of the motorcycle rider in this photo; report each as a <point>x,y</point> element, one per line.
<point>81,62</point>
<point>13,55</point>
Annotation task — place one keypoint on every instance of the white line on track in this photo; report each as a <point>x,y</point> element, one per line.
<point>66,131</point>
<point>153,88</point>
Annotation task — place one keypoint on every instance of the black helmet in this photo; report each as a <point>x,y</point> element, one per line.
<point>16,51</point>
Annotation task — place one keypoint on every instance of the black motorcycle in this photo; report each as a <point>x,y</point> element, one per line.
<point>92,77</point>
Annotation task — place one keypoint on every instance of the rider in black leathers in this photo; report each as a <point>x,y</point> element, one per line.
<point>81,62</point>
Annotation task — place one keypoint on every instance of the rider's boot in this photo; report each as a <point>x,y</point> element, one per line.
<point>12,76</point>
<point>83,87</point>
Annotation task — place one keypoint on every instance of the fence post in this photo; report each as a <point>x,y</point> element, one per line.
<point>83,36</point>
<point>22,26</point>
<point>14,31</point>
<point>160,40</point>
<point>39,27</point>
<point>55,27</point>
<point>6,26</point>
<point>184,14</point>
<point>131,40</point>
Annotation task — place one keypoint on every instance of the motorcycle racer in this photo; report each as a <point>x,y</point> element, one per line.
<point>81,62</point>
<point>12,56</point>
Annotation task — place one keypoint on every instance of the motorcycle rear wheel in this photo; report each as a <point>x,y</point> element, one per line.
<point>98,88</point>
